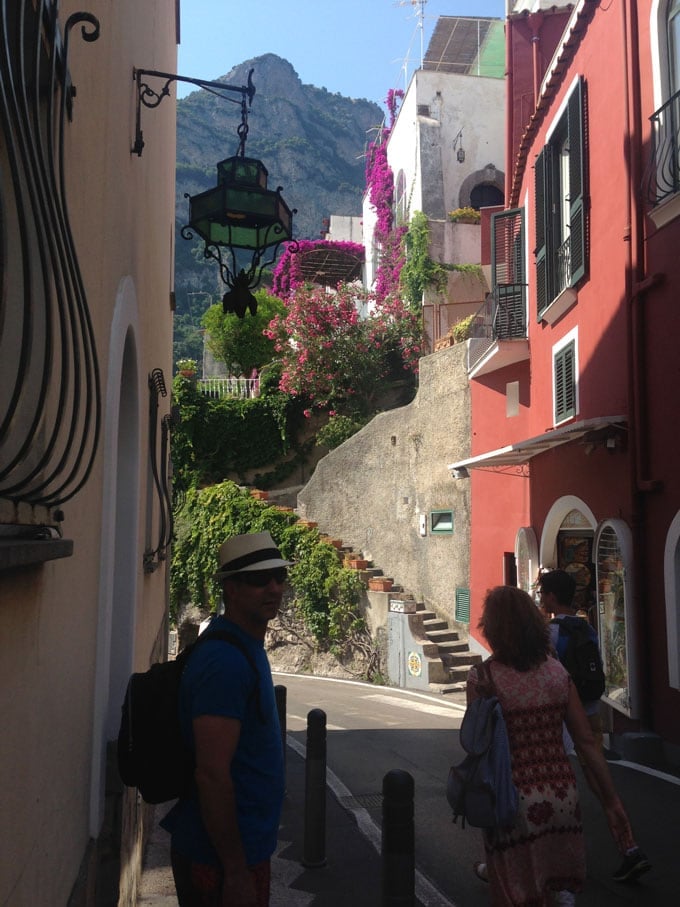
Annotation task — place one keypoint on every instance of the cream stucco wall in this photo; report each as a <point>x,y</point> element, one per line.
<point>73,628</point>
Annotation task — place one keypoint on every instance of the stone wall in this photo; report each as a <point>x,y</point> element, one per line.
<point>375,489</point>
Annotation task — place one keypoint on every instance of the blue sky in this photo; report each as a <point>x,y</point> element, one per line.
<point>359,48</point>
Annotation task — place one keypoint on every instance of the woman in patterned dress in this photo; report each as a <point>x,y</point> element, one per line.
<point>541,859</point>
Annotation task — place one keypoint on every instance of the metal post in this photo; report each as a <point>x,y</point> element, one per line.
<point>281,694</point>
<point>314,854</point>
<point>398,841</point>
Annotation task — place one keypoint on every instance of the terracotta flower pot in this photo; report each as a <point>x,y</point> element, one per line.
<point>380,584</point>
<point>259,495</point>
<point>357,563</point>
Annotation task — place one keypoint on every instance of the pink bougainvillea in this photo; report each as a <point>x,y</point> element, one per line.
<point>288,271</point>
<point>380,188</point>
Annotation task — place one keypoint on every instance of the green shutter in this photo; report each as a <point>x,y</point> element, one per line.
<point>463,606</point>
<point>577,233</point>
<point>542,228</point>
<point>565,383</point>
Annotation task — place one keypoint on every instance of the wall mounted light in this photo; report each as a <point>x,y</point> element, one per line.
<point>241,222</point>
<point>458,144</point>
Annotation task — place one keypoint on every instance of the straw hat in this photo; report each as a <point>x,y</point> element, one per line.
<point>254,551</point>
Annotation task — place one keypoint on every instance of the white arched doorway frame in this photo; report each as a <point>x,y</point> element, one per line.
<point>553,522</point>
<point>121,452</point>
<point>671,573</point>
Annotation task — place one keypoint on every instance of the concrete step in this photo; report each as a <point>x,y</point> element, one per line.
<point>434,624</point>
<point>447,689</point>
<point>443,634</point>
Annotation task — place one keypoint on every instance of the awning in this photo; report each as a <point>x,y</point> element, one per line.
<point>596,431</point>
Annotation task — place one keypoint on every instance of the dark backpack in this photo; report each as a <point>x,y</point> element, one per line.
<point>480,789</point>
<point>152,755</point>
<point>581,657</point>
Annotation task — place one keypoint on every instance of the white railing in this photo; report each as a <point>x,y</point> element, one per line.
<point>229,387</point>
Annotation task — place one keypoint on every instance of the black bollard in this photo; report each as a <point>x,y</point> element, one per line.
<point>281,694</point>
<point>314,854</point>
<point>398,841</point>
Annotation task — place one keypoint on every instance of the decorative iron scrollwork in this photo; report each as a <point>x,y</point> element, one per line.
<point>160,471</point>
<point>50,409</point>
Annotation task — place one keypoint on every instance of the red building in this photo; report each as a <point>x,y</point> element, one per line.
<point>574,361</point>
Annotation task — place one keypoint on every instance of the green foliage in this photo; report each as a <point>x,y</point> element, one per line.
<point>338,429</point>
<point>325,593</point>
<point>419,270</point>
<point>216,439</point>
<point>240,342</point>
<point>467,215</point>
<point>461,329</point>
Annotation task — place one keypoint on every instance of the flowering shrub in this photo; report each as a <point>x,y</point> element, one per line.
<point>333,357</point>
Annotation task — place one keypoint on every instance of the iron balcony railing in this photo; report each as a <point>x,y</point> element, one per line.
<point>502,316</point>
<point>662,176</point>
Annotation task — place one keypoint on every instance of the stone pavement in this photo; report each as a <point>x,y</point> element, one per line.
<point>352,870</point>
<point>351,874</point>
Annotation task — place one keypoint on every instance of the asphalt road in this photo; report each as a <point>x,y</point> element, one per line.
<point>373,730</point>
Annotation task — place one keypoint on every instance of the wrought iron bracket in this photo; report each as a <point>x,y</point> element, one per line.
<point>151,98</point>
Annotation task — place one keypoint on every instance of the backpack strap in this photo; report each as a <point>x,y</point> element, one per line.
<point>232,638</point>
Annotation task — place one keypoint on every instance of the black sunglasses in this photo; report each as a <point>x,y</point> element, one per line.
<point>261,578</point>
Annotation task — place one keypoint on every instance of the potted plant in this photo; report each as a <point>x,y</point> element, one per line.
<point>380,583</point>
<point>186,367</point>
<point>464,215</point>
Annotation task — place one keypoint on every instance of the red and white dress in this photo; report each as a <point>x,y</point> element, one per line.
<point>545,850</point>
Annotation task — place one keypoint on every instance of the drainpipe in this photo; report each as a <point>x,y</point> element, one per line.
<point>535,24</point>
<point>636,288</point>
<point>509,109</point>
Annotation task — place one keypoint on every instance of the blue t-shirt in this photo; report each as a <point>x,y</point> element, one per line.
<point>219,681</point>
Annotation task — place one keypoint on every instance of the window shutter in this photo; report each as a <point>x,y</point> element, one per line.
<point>508,273</point>
<point>576,184</point>
<point>565,383</point>
<point>463,605</point>
<point>542,226</point>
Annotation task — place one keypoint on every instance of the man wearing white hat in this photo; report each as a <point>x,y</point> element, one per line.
<point>224,832</point>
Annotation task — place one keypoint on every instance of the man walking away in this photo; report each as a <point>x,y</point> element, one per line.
<point>557,589</point>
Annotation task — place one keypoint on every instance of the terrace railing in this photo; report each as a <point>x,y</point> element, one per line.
<point>502,316</point>
<point>662,176</point>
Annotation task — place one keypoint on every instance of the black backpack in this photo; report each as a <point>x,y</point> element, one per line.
<point>152,755</point>
<point>581,657</point>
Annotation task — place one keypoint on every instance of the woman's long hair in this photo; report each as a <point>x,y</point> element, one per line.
<point>515,628</point>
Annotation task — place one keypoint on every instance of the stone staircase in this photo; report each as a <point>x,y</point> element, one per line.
<point>447,657</point>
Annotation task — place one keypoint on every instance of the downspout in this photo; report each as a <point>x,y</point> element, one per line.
<point>509,110</point>
<point>636,287</point>
<point>637,284</point>
<point>535,24</point>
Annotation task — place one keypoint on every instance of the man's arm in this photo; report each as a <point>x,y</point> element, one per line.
<point>215,739</point>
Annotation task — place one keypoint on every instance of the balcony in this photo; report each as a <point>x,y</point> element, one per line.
<point>662,177</point>
<point>498,334</point>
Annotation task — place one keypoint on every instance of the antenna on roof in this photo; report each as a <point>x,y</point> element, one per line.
<point>419,12</point>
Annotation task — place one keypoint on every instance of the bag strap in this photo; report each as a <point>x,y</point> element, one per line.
<point>485,678</point>
<point>232,638</point>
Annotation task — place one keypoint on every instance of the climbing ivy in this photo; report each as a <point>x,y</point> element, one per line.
<point>419,270</point>
<point>325,593</point>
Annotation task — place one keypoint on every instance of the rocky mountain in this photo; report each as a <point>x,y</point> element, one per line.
<point>311,141</point>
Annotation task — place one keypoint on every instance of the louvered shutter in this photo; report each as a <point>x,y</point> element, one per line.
<point>542,228</point>
<point>507,273</point>
<point>565,383</point>
<point>576,184</point>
